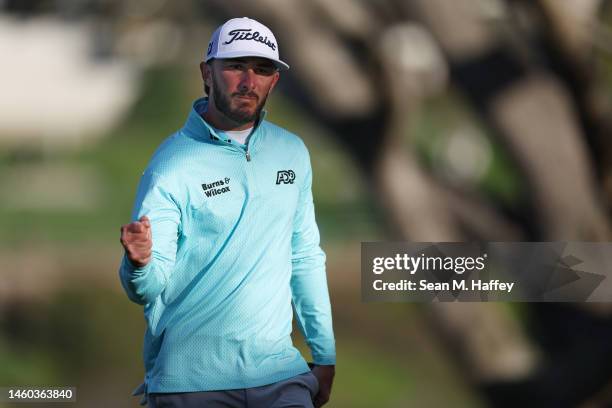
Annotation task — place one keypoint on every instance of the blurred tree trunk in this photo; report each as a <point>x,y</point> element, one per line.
<point>518,98</point>
<point>572,35</point>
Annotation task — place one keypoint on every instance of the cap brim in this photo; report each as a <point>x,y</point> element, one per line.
<point>282,66</point>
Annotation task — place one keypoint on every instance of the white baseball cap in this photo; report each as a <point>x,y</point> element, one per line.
<point>244,37</point>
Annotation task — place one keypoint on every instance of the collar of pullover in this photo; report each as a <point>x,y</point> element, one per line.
<point>197,124</point>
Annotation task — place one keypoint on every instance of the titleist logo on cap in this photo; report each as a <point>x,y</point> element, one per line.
<point>245,34</point>
<point>244,37</point>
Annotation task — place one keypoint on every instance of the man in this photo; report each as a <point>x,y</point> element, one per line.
<point>224,241</point>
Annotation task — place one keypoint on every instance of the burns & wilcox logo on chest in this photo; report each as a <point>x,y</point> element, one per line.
<point>216,187</point>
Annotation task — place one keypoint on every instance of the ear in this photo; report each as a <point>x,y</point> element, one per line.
<point>205,69</point>
<point>274,81</point>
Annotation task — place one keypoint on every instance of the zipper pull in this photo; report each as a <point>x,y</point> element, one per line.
<point>248,156</point>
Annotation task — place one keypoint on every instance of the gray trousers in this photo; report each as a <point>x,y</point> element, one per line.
<point>294,392</point>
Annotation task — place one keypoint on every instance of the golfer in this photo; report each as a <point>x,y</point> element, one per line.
<point>223,246</point>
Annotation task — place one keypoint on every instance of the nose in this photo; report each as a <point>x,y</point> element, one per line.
<point>247,80</point>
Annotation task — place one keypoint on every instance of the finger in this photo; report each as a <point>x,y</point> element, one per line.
<point>125,236</point>
<point>145,220</point>
<point>136,236</point>
<point>136,244</point>
<point>140,245</point>
<point>136,227</point>
<point>144,235</point>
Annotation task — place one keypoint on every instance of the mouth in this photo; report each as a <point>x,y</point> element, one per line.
<point>246,97</point>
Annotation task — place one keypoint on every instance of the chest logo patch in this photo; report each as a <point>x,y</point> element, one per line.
<point>216,187</point>
<point>285,177</point>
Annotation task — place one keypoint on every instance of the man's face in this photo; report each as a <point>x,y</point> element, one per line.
<point>241,86</point>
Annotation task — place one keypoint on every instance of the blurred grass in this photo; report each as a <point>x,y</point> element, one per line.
<point>75,337</point>
<point>384,381</point>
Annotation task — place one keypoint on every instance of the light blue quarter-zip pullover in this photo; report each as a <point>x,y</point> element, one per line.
<point>235,245</point>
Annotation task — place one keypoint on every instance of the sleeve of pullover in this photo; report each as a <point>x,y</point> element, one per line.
<point>308,280</point>
<point>153,199</point>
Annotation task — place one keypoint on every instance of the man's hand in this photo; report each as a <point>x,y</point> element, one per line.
<point>137,242</point>
<point>325,375</point>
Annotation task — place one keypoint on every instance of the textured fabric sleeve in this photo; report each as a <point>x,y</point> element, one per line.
<point>308,279</point>
<point>153,199</point>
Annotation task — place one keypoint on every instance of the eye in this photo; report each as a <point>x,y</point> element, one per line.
<point>235,66</point>
<point>265,70</point>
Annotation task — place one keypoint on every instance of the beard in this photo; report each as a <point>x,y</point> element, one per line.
<point>241,116</point>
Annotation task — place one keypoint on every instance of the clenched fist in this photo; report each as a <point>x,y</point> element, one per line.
<point>137,242</point>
